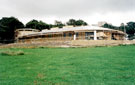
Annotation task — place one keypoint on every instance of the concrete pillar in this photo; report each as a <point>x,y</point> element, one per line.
<point>95,35</point>
<point>74,36</point>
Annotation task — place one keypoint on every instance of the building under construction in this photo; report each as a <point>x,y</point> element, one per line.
<point>68,34</point>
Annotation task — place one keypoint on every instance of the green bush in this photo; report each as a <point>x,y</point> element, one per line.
<point>12,53</point>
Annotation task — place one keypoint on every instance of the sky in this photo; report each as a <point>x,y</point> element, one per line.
<point>91,11</point>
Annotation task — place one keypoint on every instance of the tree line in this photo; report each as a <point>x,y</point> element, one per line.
<point>9,24</point>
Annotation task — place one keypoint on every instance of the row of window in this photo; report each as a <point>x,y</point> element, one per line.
<point>66,35</point>
<point>70,34</point>
<point>49,36</point>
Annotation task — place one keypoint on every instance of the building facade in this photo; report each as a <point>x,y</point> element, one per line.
<point>74,33</point>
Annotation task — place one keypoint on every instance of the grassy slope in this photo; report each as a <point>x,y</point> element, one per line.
<point>70,66</point>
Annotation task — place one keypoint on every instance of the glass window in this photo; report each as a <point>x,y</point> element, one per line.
<point>70,34</point>
<point>49,35</point>
<point>89,35</point>
<point>77,34</point>
<point>64,35</point>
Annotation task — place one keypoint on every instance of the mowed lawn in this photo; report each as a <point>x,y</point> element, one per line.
<point>69,66</point>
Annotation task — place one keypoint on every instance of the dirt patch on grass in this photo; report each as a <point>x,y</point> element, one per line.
<point>73,43</point>
<point>12,53</point>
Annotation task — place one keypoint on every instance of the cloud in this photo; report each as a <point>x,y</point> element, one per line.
<point>70,7</point>
<point>64,9</point>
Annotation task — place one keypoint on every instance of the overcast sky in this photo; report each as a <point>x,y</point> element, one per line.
<point>91,11</point>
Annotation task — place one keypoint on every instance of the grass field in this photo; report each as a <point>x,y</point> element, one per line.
<point>69,66</point>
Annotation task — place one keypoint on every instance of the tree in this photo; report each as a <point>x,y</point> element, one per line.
<point>7,27</point>
<point>71,22</point>
<point>130,30</point>
<point>40,25</point>
<point>76,22</point>
<point>106,25</point>
<point>130,27</point>
<point>59,24</point>
<point>32,24</point>
<point>80,23</point>
<point>123,27</point>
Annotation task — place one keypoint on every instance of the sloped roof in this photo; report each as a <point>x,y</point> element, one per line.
<point>27,29</point>
<point>81,28</point>
<point>75,29</point>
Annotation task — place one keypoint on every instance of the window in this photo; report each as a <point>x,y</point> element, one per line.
<point>49,36</point>
<point>64,35</point>
<point>70,34</point>
<point>89,35</point>
<point>77,34</point>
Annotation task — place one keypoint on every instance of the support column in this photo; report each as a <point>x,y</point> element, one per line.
<point>95,35</point>
<point>74,36</point>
